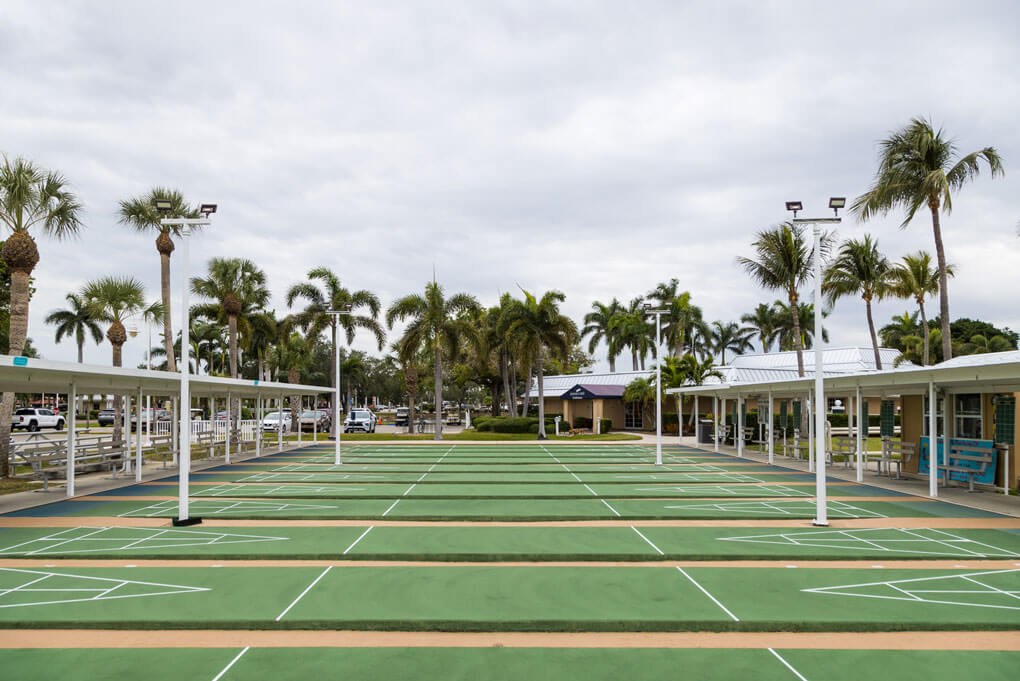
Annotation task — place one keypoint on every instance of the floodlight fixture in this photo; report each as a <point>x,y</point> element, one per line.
<point>794,206</point>
<point>207,209</point>
<point>837,202</point>
<point>163,205</point>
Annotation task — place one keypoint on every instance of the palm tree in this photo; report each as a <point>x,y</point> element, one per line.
<point>633,330</point>
<point>31,199</point>
<point>540,327</point>
<point>263,331</point>
<point>682,319</point>
<point>293,355</point>
<point>903,325</point>
<point>237,289</point>
<point>858,268</point>
<point>918,167</point>
<point>332,295</point>
<point>788,326</point>
<point>76,320</point>
<point>980,344</point>
<point>141,214</point>
<point>643,391</point>
<point>783,264</point>
<point>433,325</point>
<point>597,324</point>
<point>913,277</point>
<point>762,323</point>
<point>729,336</point>
<point>115,300</point>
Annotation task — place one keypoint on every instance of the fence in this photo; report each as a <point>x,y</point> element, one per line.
<point>219,427</point>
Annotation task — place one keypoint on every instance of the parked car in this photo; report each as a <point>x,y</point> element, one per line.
<point>400,419</point>
<point>105,417</point>
<point>359,419</point>
<point>33,418</point>
<point>155,416</point>
<point>313,421</point>
<point>276,421</point>
<point>453,418</point>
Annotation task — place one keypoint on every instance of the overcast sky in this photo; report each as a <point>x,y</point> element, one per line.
<point>593,147</point>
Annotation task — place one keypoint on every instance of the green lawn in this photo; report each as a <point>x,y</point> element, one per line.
<point>470,435</point>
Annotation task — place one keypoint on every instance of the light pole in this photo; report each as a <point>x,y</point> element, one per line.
<point>346,310</point>
<point>184,438</point>
<point>658,381</point>
<point>835,203</point>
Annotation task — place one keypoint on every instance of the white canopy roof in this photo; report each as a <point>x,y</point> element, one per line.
<point>27,375</point>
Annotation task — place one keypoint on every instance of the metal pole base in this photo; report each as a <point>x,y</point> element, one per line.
<point>177,522</point>
<point>818,524</point>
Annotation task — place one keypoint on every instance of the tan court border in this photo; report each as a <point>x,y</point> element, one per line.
<point>116,521</point>
<point>213,638</point>
<point>661,564</point>
<point>227,497</point>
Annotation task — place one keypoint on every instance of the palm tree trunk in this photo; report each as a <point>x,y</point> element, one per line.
<point>293,376</point>
<point>81,350</point>
<point>612,364</point>
<point>924,331</point>
<point>504,370</point>
<point>511,405</point>
<point>798,342</point>
<point>633,359</point>
<point>18,330</point>
<point>940,252</point>
<point>874,337</point>
<point>541,395</point>
<point>439,391</point>
<point>120,419</point>
<point>527,395</point>
<point>232,333</point>
<point>168,337</point>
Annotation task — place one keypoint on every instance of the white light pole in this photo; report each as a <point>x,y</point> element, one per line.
<point>835,203</point>
<point>337,461</point>
<point>184,458</point>
<point>658,382</point>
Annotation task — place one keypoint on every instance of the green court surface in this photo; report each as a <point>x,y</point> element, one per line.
<point>501,598</point>
<point>438,543</point>
<point>504,664</point>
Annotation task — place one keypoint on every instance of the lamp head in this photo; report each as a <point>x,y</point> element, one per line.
<point>207,209</point>
<point>837,202</point>
<point>163,205</point>
<point>794,206</point>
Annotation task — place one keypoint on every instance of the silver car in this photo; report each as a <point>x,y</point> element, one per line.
<point>361,420</point>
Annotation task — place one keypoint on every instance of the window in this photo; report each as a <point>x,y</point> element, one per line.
<point>967,416</point>
<point>632,415</point>
<point>24,412</point>
<point>940,424</point>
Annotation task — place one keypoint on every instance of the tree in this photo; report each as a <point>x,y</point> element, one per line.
<point>633,330</point>
<point>115,300</point>
<point>919,167</point>
<point>762,323</point>
<point>332,295</point>
<point>77,320</point>
<point>788,326</point>
<point>729,336</point>
<point>31,200</point>
<point>783,263</point>
<point>293,355</point>
<point>643,391</point>
<point>858,268</point>
<point>681,320</point>
<point>597,324</point>
<point>140,213</point>
<point>433,326</point>
<point>904,325</point>
<point>979,344</point>
<point>237,289</point>
<point>540,328</point>
<point>914,278</point>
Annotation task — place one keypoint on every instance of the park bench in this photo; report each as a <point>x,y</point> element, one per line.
<point>162,445</point>
<point>38,454</point>
<point>799,446</point>
<point>210,441</point>
<point>979,459</point>
<point>893,451</point>
<point>842,446</point>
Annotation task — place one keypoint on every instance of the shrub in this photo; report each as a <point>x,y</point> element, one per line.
<point>605,425</point>
<point>510,424</point>
<point>582,422</point>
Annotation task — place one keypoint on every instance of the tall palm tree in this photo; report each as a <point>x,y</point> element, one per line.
<point>980,344</point>
<point>115,300</point>
<point>919,167</point>
<point>433,325</point>
<point>783,263</point>
<point>236,289</point>
<point>682,319</point>
<point>858,269</point>
<point>31,200</point>
<point>729,336</point>
<point>323,292</point>
<point>140,213</point>
<point>902,325</point>
<point>643,391</point>
<point>597,324</point>
<point>762,323</point>
<point>788,326</point>
<point>634,331</point>
<point>914,277</point>
<point>76,320</point>
<point>292,355</point>
<point>263,331</point>
<point>540,328</point>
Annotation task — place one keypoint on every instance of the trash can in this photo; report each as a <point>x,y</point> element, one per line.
<point>705,432</point>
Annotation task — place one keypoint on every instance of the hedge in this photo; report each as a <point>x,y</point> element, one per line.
<point>510,424</point>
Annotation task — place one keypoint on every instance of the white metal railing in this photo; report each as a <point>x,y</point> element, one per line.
<point>219,427</point>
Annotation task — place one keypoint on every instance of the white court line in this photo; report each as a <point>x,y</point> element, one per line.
<point>302,595</point>
<point>231,664</point>
<point>610,507</point>
<point>778,657</point>
<point>387,511</point>
<point>355,543</point>
<point>647,540</point>
<point>702,589</point>
<point>617,513</point>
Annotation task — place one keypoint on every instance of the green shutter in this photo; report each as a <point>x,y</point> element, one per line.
<point>782,414</point>
<point>1005,420</point>
<point>796,414</point>
<point>888,419</point>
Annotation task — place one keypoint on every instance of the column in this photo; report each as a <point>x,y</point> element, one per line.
<point>738,430</point>
<point>72,397</point>
<point>771,433</point>
<point>138,438</point>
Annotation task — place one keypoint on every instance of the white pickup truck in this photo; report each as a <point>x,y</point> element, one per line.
<point>32,419</point>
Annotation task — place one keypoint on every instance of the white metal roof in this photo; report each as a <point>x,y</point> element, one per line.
<point>841,360</point>
<point>22,374</point>
<point>559,384</point>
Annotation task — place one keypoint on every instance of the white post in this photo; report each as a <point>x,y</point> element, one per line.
<point>279,424</point>
<point>174,434</point>
<point>862,422</point>
<point>680,417</point>
<point>126,417</point>
<point>722,419</point>
<point>138,438</point>
<point>338,425</point>
<point>738,430</point>
<point>230,424</point>
<point>697,419</point>
<point>184,467</point>
<point>933,443</point>
<point>821,515</point>
<point>810,436</point>
<point>315,418</point>
<point>556,423</point>
<point>771,433</point>
<point>715,424</point>
<point>258,425</point>
<point>658,390</point>
<point>301,408</point>
<point>72,397</point>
